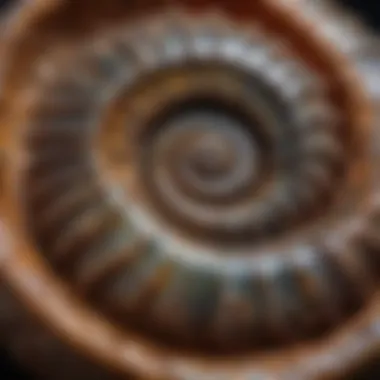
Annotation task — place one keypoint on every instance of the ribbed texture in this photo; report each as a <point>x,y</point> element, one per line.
<point>108,211</point>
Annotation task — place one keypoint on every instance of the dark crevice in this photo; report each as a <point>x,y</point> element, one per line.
<point>369,11</point>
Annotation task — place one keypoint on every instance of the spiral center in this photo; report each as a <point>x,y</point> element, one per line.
<point>208,153</point>
<point>212,156</point>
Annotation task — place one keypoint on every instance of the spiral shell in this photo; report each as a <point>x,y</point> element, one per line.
<point>191,191</point>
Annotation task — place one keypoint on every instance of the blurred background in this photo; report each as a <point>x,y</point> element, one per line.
<point>369,11</point>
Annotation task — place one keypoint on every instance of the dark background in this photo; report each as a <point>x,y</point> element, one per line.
<point>369,10</point>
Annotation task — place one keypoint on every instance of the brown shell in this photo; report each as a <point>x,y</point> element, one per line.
<point>189,189</point>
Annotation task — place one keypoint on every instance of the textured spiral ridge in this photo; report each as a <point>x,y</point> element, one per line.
<point>122,145</point>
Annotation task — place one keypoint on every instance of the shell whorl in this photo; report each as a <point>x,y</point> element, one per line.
<point>218,142</point>
<point>196,181</point>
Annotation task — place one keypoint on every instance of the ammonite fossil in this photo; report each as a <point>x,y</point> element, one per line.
<point>189,189</point>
